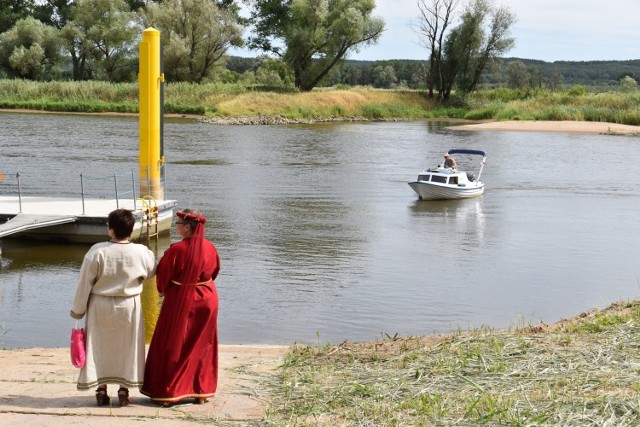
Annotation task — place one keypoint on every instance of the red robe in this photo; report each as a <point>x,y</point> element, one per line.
<point>183,355</point>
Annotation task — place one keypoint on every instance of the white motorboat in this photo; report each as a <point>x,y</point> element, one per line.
<point>443,183</point>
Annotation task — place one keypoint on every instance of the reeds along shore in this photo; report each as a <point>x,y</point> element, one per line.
<point>346,103</point>
<point>579,372</point>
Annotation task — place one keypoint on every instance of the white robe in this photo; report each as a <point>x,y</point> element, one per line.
<point>108,293</point>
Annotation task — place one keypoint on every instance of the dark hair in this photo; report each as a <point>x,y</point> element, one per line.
<point>121,221</point>
<point>190,222</point>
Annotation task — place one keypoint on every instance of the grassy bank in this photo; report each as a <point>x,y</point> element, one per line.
<point>225,101</point>
<point>580,372</point>
<point>573,104</point>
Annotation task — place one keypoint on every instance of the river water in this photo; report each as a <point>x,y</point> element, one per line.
<point>322,240</point>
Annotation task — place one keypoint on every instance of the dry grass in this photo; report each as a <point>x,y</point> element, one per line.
<point>219,102</point>
<point>354,102</point>
<point>580,372</point>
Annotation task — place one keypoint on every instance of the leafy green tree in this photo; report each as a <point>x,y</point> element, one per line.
<point>29,50</point>
<point>410,73</point>
<point>273,72</point>
<point>350,73</point>
<point>554,82</point>
<point>79,47</point>
<point>577,90</point>
<point>240,65</point>
<point>517,75</point>
<point>628,84</point>
<point>384,76</point>
<point>76,41</point>
<point>268,78</point>
<point>459,56</point>
<point>482,37</point>
<point>536,78</point>
<point>11,11</point>
<point>195,34</point>
<point>107,25</point>
<point>313,36</point>
<point>100,38</point>
<point>53,12</point>
<point>233,7</point>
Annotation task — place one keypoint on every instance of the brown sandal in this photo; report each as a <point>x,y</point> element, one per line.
<point>201,400</point>
<point>123,396</point>
<point>102,398</point>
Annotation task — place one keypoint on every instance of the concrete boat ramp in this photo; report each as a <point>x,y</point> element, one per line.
<point>79,220</point>
<point>26,222</point>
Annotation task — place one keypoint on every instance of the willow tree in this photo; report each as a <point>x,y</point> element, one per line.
<point>105,33</point>
<point>99,38</point>
<point>313,36</point>
<point>482,37</point>
<point>195,34</point>
<point>29,50</point>
<point>462,53</point>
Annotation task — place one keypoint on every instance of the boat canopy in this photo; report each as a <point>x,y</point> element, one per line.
<point>464,151</point>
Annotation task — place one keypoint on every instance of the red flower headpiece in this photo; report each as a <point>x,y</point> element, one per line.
<point>191,217</point>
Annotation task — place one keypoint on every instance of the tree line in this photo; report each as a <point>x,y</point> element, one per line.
<point>515,73</point>
<point>97,39</point>
<point>299,44</point>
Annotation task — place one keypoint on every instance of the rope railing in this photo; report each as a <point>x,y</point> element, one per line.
<point>121,190</point>
<point>123,186</point>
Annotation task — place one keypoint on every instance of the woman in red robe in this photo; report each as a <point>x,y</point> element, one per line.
<point>183,356</point>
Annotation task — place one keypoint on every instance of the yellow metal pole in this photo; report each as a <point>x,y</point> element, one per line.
<point>150,307</point>
<point>150,80</point>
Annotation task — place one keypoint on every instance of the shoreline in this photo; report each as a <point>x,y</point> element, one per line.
<point>37,385</point>
<point>569,126</point>
<point>102,113</point>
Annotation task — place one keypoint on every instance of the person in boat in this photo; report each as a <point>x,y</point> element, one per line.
<point>108,294</point>
<point>182,361</point>
<point>449,162</point>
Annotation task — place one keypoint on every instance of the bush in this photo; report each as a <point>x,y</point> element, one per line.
<point>577,90</point>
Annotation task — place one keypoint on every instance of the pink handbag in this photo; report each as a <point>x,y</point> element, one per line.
<point>78,355</point>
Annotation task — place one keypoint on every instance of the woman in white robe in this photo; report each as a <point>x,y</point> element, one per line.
<point>108,293</point>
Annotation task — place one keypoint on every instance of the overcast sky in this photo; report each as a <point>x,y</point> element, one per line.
<point>549,30</point>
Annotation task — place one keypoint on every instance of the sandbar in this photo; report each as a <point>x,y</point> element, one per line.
<point>572,126</point>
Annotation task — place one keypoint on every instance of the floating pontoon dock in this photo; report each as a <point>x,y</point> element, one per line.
<point>84,219</point>
<point>79,220</point>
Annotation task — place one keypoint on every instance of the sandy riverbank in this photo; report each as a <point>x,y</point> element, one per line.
<point>554,126</point>
<point>37,388</point>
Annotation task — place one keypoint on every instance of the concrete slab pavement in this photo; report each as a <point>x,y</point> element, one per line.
<point>38,388</point>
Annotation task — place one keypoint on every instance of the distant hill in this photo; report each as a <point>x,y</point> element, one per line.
<point>589,73</point>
